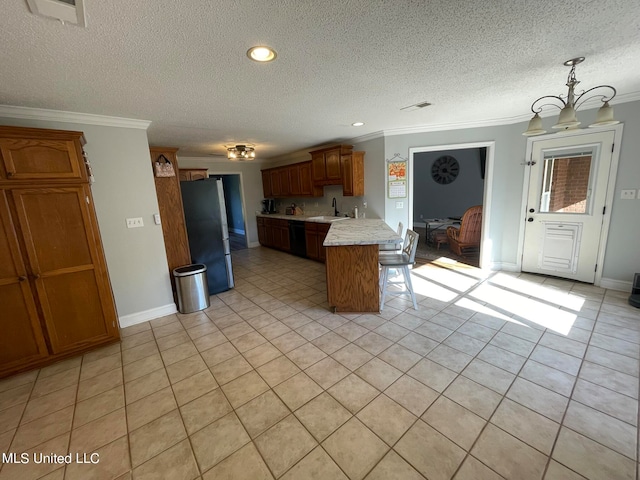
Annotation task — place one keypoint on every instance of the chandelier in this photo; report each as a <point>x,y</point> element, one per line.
<point>241,152</point>
<point>568,105</point>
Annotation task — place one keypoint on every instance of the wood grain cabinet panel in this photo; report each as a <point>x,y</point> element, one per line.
<point>49,157</point>
<point>192,174</point>
<point>306,182</point>
<point>174,230</point>
<point>54,287</point>
<point>266,184</point>
<point>22,339</point>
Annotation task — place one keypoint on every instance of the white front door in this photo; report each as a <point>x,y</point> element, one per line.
<point>565,205</point>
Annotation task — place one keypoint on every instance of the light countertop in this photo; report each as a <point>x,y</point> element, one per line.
<point>305,218</point>
<point>361,232</point>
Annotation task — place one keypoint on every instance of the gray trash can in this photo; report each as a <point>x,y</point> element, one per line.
<point>192,287</point>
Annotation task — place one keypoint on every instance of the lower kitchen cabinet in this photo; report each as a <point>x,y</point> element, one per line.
<point>274,233</point>
<point>314,235</point>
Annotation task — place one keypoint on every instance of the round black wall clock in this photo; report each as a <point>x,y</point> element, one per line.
<point>445,169</point>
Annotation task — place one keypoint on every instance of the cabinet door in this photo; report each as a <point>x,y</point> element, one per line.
<point>285,183</point>
<point>39,159</point>
<point>317,166</point>
<point>306,185</point>
<point>276,189</point>
<point>21,340</point>
<point>269,234</point>
<point>323,229</point>
<point>311,240</point>
<point>294,180</point>
<point>285,242</point>
<point>266,184</point>
<point>332,164</point>
<point>184,175</point>
<point>347,175</point>
<point>65,260</point>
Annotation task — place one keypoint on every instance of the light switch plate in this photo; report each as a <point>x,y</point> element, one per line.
<point>135,222</point>
<point>628,194</point>
<point>399,204</point>
<point>156,218</point>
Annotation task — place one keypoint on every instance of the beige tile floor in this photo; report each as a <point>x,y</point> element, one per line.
<point>510,376</point>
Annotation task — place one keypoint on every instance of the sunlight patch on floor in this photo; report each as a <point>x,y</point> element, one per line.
<point>447,277</point>
<point>550,295</point>
<point>540,313</point>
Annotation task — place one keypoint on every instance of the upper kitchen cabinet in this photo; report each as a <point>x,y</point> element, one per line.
<point>352,167</point>
<point>326,164</point>
<point>30,154</point>
<point>289,181</point>
<point>266,184</point>
<point>192,174</point>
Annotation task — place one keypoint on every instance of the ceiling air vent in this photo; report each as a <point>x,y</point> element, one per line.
<point>416,106</point>
<point>67,11</point>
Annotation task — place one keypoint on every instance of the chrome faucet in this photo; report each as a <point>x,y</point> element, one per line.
<point>334,204</point>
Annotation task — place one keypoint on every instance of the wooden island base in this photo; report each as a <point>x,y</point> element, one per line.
<point>352,278</point>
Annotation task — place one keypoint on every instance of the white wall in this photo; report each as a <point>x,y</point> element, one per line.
<point>251,184</point>
<point>124,187</point>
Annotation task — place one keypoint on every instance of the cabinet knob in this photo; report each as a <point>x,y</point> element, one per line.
<point>529,219</point>
<point>36,276</point>
<point>10,174</point>
<point>22,278</point>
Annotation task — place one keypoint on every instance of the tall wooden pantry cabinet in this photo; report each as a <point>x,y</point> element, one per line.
<point>55,294</point>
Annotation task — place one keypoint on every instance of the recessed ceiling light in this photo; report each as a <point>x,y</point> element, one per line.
<point>261,54</point>
<point>357,124</point>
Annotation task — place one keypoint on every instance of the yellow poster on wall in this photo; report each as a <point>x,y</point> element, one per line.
<point>397,177</point>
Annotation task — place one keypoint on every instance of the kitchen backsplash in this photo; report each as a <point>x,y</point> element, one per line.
<point>322,205</point>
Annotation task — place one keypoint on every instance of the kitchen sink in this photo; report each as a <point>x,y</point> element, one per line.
<point>327,218</point>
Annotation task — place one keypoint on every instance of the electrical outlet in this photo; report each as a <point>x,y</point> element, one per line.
<point>135,222</point>
<point>628,194</point>
<point>156,218</point>
<point>364,204</point>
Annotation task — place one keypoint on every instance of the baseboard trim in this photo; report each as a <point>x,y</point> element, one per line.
<point>507,267</point>
<point>620,285</point>
<point>146,315</point>
<point>254,244</point>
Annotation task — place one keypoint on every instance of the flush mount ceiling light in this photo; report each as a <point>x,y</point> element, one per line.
<point>241,152</point>
<point>568,105</point>
<point>262,54</point>
<point>357,124</point>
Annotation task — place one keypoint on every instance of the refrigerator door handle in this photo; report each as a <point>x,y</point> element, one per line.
<point>227,259</point>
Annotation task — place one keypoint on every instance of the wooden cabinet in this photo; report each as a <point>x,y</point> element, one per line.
<point>306,182</point>
<point>58,157</point>
<point>54,288</point>
<point>266,184</point>
<point>352,167</point>
<point>192,174</point>
<point>326,164</point>
<point>274,233</point>
<point>290,181</point>
<point>174,230</point>
<point>315,234</point>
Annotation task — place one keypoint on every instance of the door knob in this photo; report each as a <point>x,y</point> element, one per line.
<point>22,278</point>
<point>530,219</point>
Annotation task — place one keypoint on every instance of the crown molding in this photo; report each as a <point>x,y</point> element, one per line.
<point>594,103</point>
<point>12,111</point>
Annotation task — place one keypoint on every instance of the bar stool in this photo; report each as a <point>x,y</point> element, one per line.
<point>400,261</point>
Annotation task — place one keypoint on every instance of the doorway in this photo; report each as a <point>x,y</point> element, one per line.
<point>234,205</point>
<point>430,171</point>
<point>566,194</point>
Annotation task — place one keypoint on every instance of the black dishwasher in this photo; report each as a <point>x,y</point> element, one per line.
<point>297,238</point>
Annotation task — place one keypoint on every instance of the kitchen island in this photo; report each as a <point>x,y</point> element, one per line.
<point>352,263</point>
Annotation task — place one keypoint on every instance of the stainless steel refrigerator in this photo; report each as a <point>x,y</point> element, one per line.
<point>206,219</point>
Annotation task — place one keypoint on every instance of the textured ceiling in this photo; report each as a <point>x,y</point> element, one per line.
<point>182,64</point>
